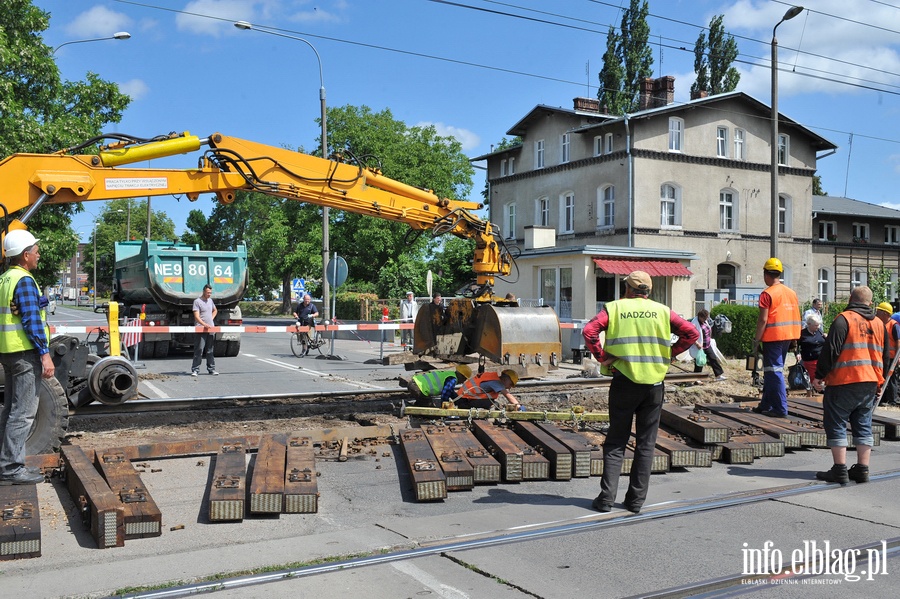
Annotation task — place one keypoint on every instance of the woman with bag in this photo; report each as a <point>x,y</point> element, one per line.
<point>811,343</point>
<point>701,351</point>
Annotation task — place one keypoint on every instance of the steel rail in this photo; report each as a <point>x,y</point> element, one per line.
<point>504,537</point>
<point>137,406</point>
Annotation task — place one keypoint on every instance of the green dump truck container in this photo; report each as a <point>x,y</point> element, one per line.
<point>163,278</point>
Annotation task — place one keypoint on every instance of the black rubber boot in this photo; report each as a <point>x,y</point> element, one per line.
<point>837,474</point>
<point>859,474</point>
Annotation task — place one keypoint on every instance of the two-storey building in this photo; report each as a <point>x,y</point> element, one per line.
<point>678,190</point>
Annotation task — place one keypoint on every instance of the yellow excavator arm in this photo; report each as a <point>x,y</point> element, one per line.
<point>230,164</point>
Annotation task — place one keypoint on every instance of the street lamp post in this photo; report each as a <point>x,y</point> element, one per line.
<point>95,264</point>
<point>246,26</point>
<point>119,35</point>
<point>773,246</point>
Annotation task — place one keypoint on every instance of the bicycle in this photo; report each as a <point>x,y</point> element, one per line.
<point>302,342</point>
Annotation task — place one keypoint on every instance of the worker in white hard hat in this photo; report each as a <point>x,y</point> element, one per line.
<point>777,327</point>
<point>24,353</point>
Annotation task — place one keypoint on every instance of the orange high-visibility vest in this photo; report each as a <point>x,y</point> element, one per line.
<point>471,389</point>
<point>860,360</point>
<point>784,314</point>
<point>891,325</point>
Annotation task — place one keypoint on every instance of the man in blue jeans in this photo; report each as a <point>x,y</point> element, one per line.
<point>853,364</point>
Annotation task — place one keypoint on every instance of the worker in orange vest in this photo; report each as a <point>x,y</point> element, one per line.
<point>892,339</point>
<point>852,365</point>
<point>481,390</point>
<point>777,327</point>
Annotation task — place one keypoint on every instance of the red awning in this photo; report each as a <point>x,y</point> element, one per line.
<point>655,268</point>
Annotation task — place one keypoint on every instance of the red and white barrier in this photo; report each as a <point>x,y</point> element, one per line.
<point>363,326</point>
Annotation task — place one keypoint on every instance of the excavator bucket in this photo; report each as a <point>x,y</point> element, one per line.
<point>503,334</point>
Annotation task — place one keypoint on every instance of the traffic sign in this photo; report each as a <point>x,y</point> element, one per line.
<point>336,271</point>
<point>298,285</point>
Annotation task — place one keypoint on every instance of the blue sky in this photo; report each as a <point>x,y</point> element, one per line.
<point>473,68</point>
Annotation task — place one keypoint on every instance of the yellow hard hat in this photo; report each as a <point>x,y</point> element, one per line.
<point>463,372</point>
<point>773,264</point>
<point>885,307</point>
<point>513,376</point>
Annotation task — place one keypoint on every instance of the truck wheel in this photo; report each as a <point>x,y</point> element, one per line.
<point>51,421</point>
<point>234,348</point>
<point>161,350</point>
<point>221,348</point>
<point>146,349</point>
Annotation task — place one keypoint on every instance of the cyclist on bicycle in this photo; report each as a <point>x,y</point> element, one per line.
<point>306,311</point>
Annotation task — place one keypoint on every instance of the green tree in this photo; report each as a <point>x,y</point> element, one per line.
<point>451,265</point>
<point>817,186</point>
<point>40,113</point>
<point>714,56</point>
<point>627,62</point>
<point>416,156</point>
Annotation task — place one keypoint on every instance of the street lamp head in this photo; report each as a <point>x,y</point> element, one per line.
<point>121,35</point>
<point>792,12</point>
<point>243,25</point>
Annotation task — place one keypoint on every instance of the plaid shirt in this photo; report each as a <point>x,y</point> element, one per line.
<point>29,304</point>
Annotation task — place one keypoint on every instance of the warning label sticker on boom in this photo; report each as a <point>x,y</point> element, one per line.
<point>136,183</point>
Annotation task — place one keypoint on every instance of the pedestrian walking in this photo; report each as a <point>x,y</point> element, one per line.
<point>205,316</point>
<point>852,367</point>
<point>24,352</point>
<point>704,344</point>
<point>777,327</point>
<point>812,340</point>
<point>637,354</point>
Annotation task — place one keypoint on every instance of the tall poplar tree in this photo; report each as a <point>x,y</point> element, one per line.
<point>628,61</point>
<point>714,56</point>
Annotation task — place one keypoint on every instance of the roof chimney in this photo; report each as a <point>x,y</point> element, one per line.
<point>587,105</point>
<point>698,94</point>
<point>646,92</point>
<point>663,91</point>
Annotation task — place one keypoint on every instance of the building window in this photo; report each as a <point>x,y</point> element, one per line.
<point>676,134</point>
<point>539,154</point>
<point>892,235</point>
<point>784,215</point>
<point>728,217</point>
<point>512,166</point>
<point>503,168</point>
<point>722,142</point>
<point>567,216</point>
<point>860,232</point>
<point>564,147</point>
<point>598,145</point>
<point>510,220</point>
<point>784,149</point>
<point>609,143</point>
<point>739,144</point>
<point>827,230</point>
<point>824,285</point>
<point>669,206</point>
<point>543,212</point>
<point>607,212</point>
<point>556,290</point>
<point>858,278</point>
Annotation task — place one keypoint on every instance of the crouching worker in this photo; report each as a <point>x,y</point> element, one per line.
<point>481,390</point>
<point>425,386</point>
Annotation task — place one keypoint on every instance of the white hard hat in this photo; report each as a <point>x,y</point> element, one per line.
<point>17,241</point>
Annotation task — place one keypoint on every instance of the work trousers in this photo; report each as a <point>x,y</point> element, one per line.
<point>20,405</point>
<point>642,403</point>
<point>774,395</point>
<point>205,345</point>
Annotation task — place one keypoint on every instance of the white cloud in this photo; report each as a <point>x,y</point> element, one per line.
<point>890,205</point>
<point>136,88</point>
<point>226,10</point>
<point>99,21</point>
<point>851,47</point>
<point>466,138</point>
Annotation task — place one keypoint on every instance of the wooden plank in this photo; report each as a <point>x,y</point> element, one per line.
<point>99,506</point>
<point>558,454</point>
<point>577,444</point>
<point>20,527</point>
<point>301,487</point>
<point>680,455</point>
<point>429,481</point>
<point>814,414</point>
<point>499,443</point>
<point>487,469</point>
<point>267,483</point>
<point>734,452</point>
<point>142,517</point>
<point>660,460</point>
<point>694,423</point>
<point>770,426</point>
<point>228,486</point>
<point>459,472</point>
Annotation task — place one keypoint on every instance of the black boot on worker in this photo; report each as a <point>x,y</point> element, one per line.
<point>837,474</point>
<point>858,473</point>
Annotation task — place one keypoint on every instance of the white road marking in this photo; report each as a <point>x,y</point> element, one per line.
<point>156,390</point>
